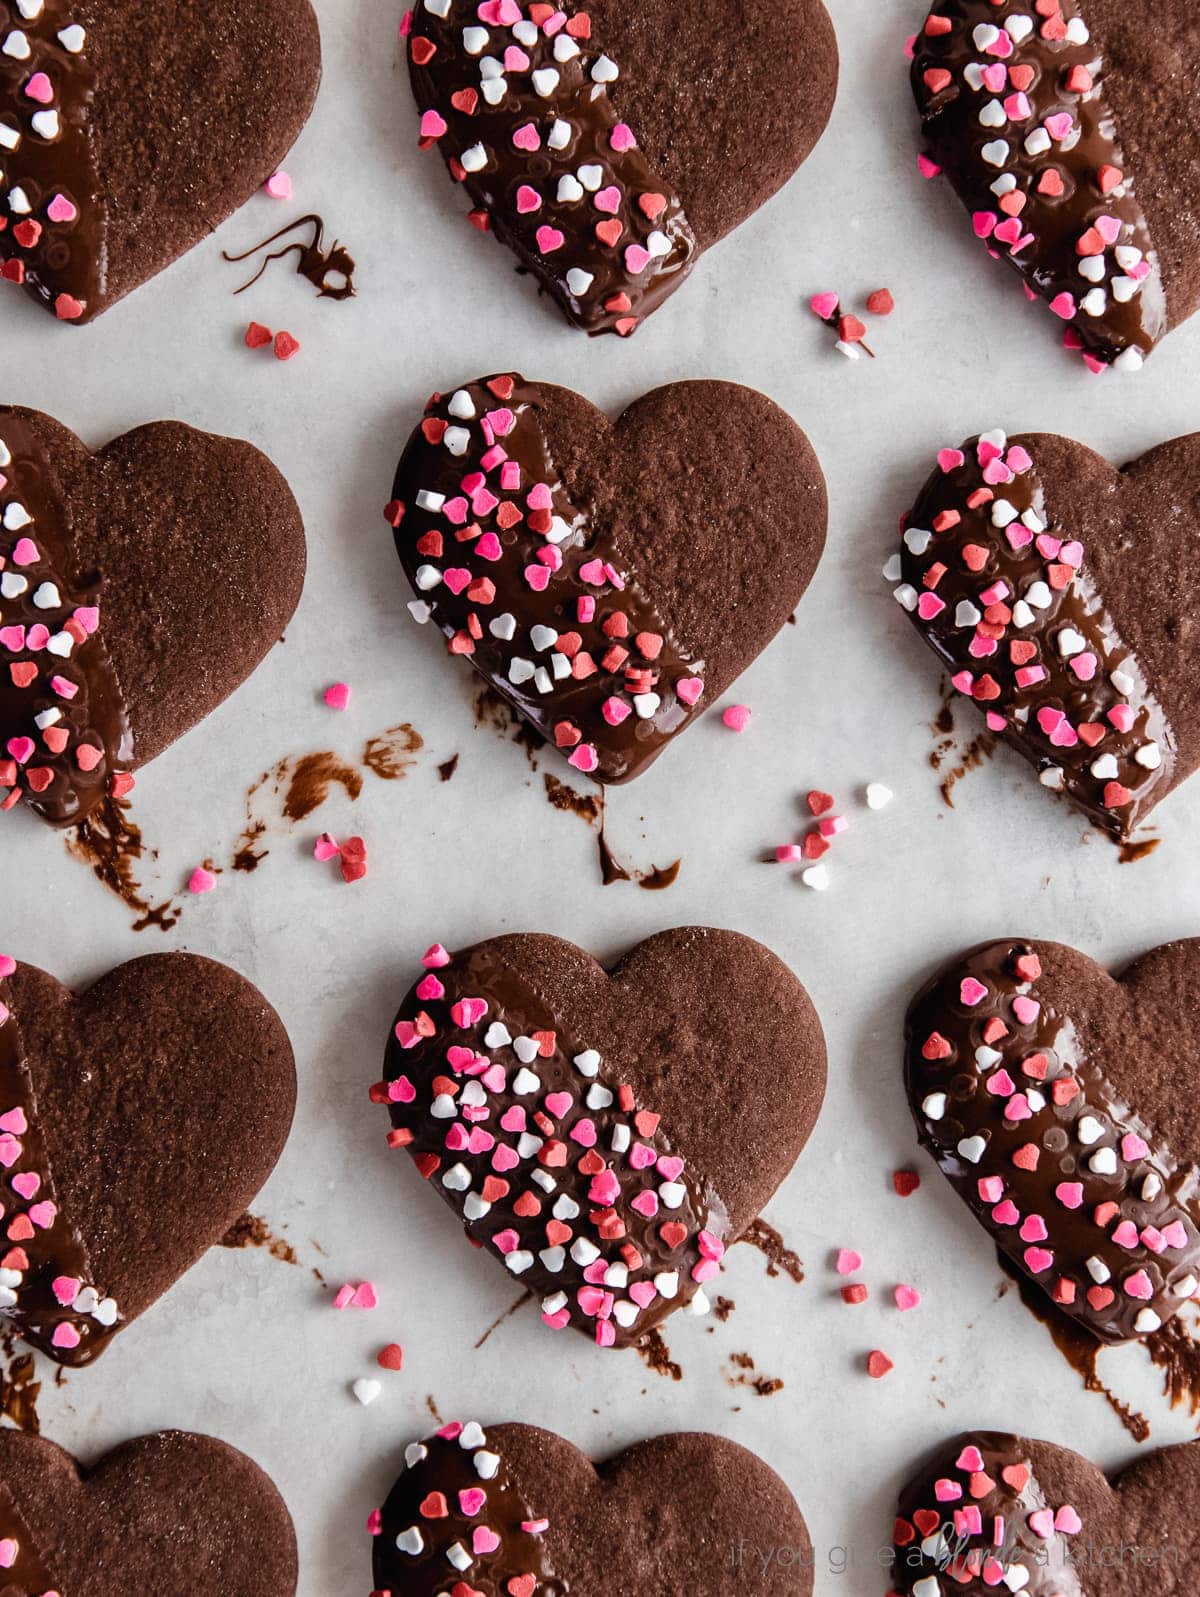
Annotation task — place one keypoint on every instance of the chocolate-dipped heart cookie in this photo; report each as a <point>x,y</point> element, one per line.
<point>131,128</point>
<point>137,1122</point>
<point>138,588</point>
<point>606,1136</point>
<point>994,1512</point>
<point>1056,1099</point>
<point>1057,590</point>
<point>171,1514</point>
<point>608,147</point>
<point>611,580</point>
<point>1065,127</point>
<point>518,1512</point>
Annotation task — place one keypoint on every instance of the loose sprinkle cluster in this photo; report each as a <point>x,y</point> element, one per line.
<point>848,1261</point>
<point>553,1165</point>
<point>1012,98</point>
<point>980,1515</point>
<point>851,332</point>
<point>519,102</point>
<point>283,345</point>
<point>514,575</point>
<point>62,720</point>
<point>1073,1185</point>
<point>45,87</point>
<point>1003,595</point>
<point>818,840</point>
<point>44,1274</point>
<point>350,855</point>
<point>457,1516</point>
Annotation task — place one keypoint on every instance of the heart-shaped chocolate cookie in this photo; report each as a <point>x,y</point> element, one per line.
<point>608,147</point>
<point>994,1512</point>
<point>1057,1101</point>
<point>1065,127</point>
<point>606,1136</point>
<point>171,1515</point>
<point>137,1122</point>
<point>129,129</point>
<point>611,580</point>
<point>138,588</point>
<point>518,1512</point>
<point>1057,590</point>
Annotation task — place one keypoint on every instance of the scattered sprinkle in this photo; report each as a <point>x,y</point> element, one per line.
<point>819,803</point>
<point>354,859</point>
<point>391,1357</point>
<point>906,1298</point>
<point>327,847</point>
<point>878,1364</point>
<point>848,1261</point>
<point>855,1293</point>
<point>257,336</point>
<point>360,1295</point>
<point>878,796</point>
<point>816,877</point>
<point>881,303</point>
<point>337,697</point>
<point>286,346</point>
<point>905,1182</point>
<point>737,717</point>
<point>366,1391</point>
<point>279,186</point>
<point>201,880</point>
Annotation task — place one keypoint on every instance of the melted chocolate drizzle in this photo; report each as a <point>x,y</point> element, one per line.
<point>1001,592</point>
<point>60,701</point>
<point>978,1516</point>
<point>1062,1173</point>
<point>330,271</point>
<point>517,578</point>
<point>1014,110</point>
<point>550,1161</point>
<point>45,1273</point>
<point>518,99</point>
<point>51,204</point>
<point>457,1515</point>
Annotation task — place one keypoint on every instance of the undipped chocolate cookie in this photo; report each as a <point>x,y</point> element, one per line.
<point>171,1514</point>
<point>1059,1103</point>
<point>138,588</point>
<point>610,579</point>
<point>518,1512</point>
<point>1067,128</point>
<point>609,146</point>
<point>131,128</point>
<point>993,1512</point>
<point>606,1136</point>
<point>1058,591</point>
<point>137,1122</point>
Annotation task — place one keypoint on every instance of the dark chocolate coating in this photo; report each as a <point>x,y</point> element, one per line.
<point>683,1515</point>
<point>1138,525</point>
<point>153,160</point>
<point>723,108</point>
<point>207,1064</point>
<point>171,1514</point>
<point>200,533</point>
<point>1136,1535</point>
<point>1125,1042</point>
<point>705,495</point>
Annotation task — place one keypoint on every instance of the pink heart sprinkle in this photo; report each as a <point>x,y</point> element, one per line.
<point>1069,1194</point>
<point>337,697</point>
<point>621,138</point>
<point>1041,1523</point>
<point>1038,1259</point>
<point>973,992</point>
<point>484,1540</point>
<point>558,1103</point>
<point>645,1203</point>
<point>907,1297</point>
<point>42,1214</point>
<point>12,639</point>
<point>636,259</point>
<point>609,199</point>
<point>951,459</point>
<point>25,552</point>
<point>847,1261</point>
<point>1006,1213</point>
<point>548,239</point>
<point>689,689</point>
<point>1059,125</point>
<point>505,1158</point>
<point>643,1293</point>
<point>456,579</point>
<point>1067,1520</point>
<point>528,199</point>
<point>1108,227</point>
<point>488,547</point>
<point>433,125</point>
<point>527,138</point>
<point>279,186</point>
<point>365,1296</point>
<point>513,1118</point>
<point>1063,305</point>
<point>66,1289</point>
<point>327,847</point>
<point>670,1168</point>
<point>584,759</point>
<point>40,88</point>
<point>824,305</point>
<point>26,1185</point>
<point>515,59</point>
<point>65,1335</point>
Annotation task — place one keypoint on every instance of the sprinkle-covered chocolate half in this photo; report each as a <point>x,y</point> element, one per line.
<point>99,1213</point>
<point>109,170</point>
<point>1014,99</point>
<point>608,146</point>
<point>610,580</point>
<point>606,1137</point>
<point>1058,591</point>
<point>171,1514</point>
<point>1059,1103</point>
<point>138,587</point>
<point>991,1512</point>
<point>513,1511</point>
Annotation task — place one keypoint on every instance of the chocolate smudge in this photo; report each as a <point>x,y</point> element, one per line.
<point>978,750</point>
<point>588,806</point>
<point>1176,1352</point>
<point>1080,1350</point>
<point>771,1245</point>
<point>1130,853</point>
<point>19,1390</point>
<point>310,780</point>
<point>659,877</point>
<point>330,271</point>
<point>592,809</point>
<point>110,843</point>
<point>760,1385</point>
<point>252,1231</point>
<point>388,755</point>
<point>433,1409</point>
<point>448,767</point>
<point>500,1318</point>
<point>723,1308</point>
<point>493,710</point>
<point>656,1355</point>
